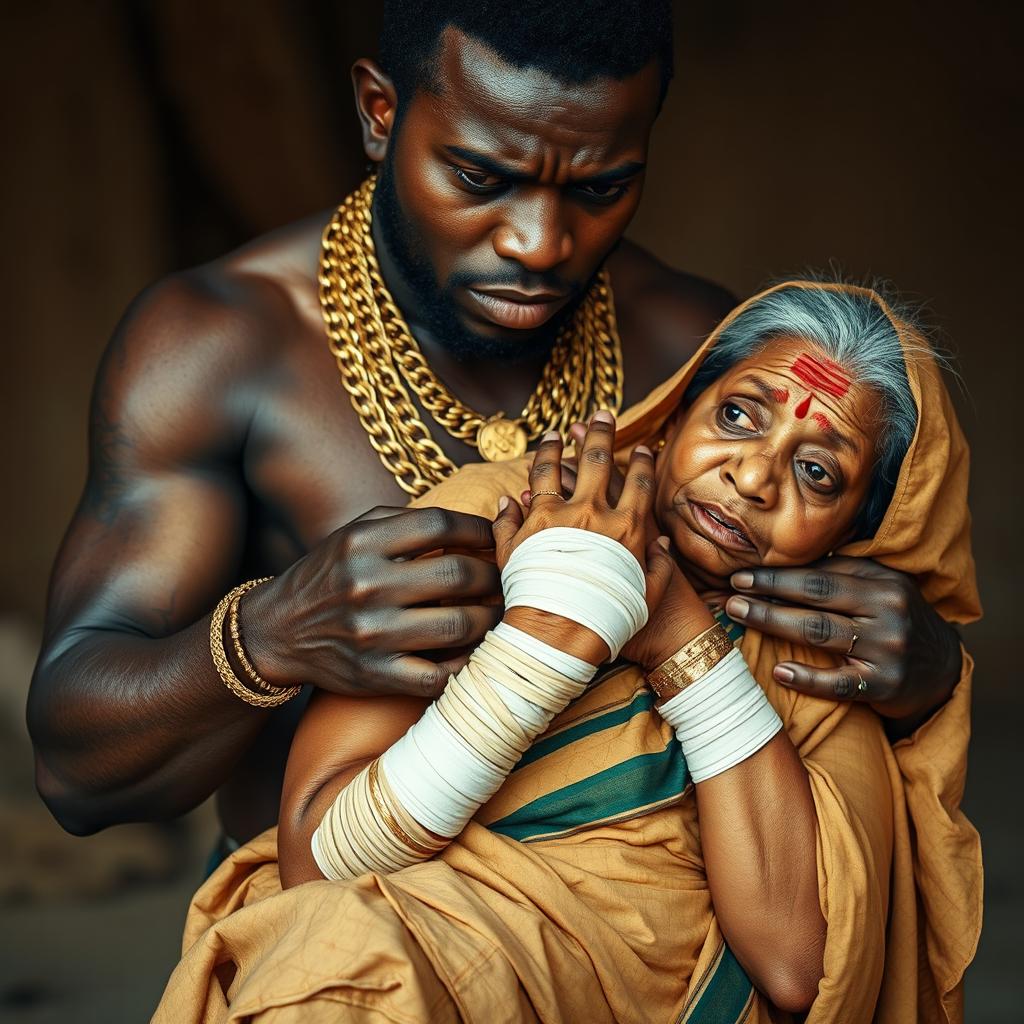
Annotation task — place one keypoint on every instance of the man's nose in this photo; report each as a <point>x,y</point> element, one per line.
<point>753,475</point>
<point>534,232</point>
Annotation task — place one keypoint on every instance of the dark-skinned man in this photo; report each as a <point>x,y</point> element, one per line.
<point>511,154</point>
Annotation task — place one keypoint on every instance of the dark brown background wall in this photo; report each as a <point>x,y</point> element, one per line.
<point>880,136</point>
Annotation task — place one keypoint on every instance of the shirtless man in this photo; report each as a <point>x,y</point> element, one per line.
<point>222,448</point>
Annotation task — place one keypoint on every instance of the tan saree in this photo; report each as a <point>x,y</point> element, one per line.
<point>579,891</point>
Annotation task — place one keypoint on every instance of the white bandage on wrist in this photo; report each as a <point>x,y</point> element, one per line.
<point>721,719</point>
<point>407,805</point>
<point>582,576</point>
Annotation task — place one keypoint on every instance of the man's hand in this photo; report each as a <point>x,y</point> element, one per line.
<point>905,660</point>
<point>357,613</point>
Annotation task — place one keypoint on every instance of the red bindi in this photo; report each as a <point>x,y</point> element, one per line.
<point>821,375</point>
<point>801,409</point>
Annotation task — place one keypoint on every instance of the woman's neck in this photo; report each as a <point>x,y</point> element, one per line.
<point>714,591</point>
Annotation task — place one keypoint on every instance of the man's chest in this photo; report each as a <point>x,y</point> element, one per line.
<point>312,460</point>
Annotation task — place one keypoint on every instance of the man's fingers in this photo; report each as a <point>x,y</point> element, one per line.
<point>865,568</point>
<point>380,512</point>
<point>427,629</point>
<point>440,578</point>
<point>420,677</point>
<point>844,683</point>
<point>595,459</point>
<point>638,488</point>
<point>817,587</point>
<point>418,530</point>
<point>805,626</point>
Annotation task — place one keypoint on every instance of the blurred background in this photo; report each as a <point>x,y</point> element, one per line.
<point>142,136</point>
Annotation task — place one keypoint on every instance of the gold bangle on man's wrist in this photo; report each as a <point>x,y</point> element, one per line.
<point>271,696</point>
<point>691,662</point>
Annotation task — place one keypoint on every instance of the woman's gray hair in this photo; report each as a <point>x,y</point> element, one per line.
<point>851,329</point>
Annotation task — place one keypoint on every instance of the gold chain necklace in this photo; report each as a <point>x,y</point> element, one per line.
<point>378,357</point>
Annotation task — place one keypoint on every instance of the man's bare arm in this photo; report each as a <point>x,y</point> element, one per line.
<point>125,704</point>
<point>129,718</point>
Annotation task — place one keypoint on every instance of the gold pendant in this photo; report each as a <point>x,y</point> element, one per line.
<point>500,439</point>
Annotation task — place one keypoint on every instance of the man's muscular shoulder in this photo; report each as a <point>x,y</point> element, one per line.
<point>663,314</point>
<point>186,366</point>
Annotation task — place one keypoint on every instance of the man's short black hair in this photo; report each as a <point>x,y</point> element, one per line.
<point>574,41</point>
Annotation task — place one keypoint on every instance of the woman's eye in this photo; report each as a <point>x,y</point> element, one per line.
<point>602,193</point>
<point>478,181</point>
<point>817,474</point>
<point>732,414</point>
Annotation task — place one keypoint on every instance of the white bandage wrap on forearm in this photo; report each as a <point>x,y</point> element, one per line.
<point>409,803</point>
<point>582,576</point>
<point>721,719</point>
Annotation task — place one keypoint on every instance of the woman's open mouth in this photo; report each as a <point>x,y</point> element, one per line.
<point>719,528</point>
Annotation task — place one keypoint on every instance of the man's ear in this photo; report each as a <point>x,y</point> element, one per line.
<point>376,105</point>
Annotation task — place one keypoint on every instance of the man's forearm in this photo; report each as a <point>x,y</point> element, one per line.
<point>128,728</point>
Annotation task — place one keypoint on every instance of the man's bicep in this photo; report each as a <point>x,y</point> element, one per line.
<point>158,533</point>
<point>149,556</point>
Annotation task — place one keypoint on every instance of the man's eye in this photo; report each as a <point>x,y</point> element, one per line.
<point>478,181</point>
<point>602,193</point>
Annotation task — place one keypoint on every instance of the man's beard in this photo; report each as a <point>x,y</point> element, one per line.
<point>436,305</point>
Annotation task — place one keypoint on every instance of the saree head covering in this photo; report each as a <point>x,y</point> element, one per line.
<point>579,891</point>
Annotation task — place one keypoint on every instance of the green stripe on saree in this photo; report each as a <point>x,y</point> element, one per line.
<point>722,995</point>
<point>609,757</point>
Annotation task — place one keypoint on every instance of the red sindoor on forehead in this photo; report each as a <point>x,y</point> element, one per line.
<point>820,375</point>
<point>801,410</point>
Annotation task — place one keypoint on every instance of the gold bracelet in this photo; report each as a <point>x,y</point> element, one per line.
<point>690,662</point>
<point>235,630</point>
<point>389,819</point>
<point>278,695</point>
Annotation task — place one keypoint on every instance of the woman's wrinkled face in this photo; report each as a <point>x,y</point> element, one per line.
<point>770,465</point>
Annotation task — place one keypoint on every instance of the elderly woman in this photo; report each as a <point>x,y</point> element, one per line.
<point>675,836</point>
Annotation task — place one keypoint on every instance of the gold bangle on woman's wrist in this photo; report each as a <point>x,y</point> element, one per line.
<point>271,696</point>
<point>690,662</point>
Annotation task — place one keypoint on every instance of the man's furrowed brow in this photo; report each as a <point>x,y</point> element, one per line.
<point>486,163</point>
<point>496,167</point>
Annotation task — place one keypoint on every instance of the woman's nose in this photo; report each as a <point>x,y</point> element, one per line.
<point>753,477</point>
<point>534,232</point>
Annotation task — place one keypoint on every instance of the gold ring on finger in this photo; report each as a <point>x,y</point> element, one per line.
<point>849,650</point>
<point>554,494</point>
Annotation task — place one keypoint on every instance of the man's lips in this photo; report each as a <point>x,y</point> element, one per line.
<point>720,528</point>
<point>514,309</point>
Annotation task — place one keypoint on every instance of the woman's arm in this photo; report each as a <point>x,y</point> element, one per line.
<point>336,738</point>
<point>758,832</point>
<point>758,828</point>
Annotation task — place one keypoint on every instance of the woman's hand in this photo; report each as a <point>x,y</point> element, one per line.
<point>627,520</point>
<point>679,617</point>
<point>680,614</point>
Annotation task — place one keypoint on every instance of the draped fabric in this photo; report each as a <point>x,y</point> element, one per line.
<point>579,891</point>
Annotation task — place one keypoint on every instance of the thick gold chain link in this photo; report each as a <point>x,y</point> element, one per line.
<point>378,358</point>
